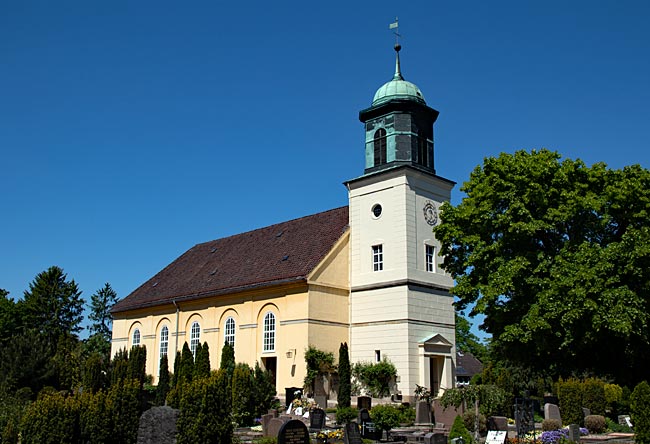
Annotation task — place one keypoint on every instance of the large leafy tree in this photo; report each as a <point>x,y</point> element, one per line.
<point>53,305</point>
<point>557,256</point>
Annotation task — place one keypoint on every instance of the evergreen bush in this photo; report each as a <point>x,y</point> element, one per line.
<point>570,396</point>
<point>243,408</point>
<point>458,430</point>
<point>264,390</point>
<point>163,381</point>
<point>186,367</point>
<point>593,395</point>
<point>95,419</point>
<point>640,412</point>
<point>202,362</point>
<point>385,416</point>
<point>53,419</point>
<point>345,415</point>
<point>595,423</point>
<point>551,424</point>
<point>345,376</point>
<point>469,418</point>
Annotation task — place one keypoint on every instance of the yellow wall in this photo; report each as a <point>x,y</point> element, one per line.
<point>313,313</point>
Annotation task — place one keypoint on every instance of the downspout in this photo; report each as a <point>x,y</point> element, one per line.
<point>177,315</point>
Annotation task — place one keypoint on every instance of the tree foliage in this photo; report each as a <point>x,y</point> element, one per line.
<point>264,392</point>
<point>375,378</point>
<point>243,407</point>
<point>101,319</point>
<point>640,412</point>
<point>163,381</point>
<point>345,377</point>
<point>53,305</point>
<point>556,255</point>
<point>468,342</point>
<point>202,362</point>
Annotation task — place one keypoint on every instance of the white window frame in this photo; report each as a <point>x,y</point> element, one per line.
<point>378,257</point>
<point>268,338</point>
<point>164,341</point>
<point>135,339</point>
<point>229,331</point>
<point>195,337</point>
<point>430,258</point>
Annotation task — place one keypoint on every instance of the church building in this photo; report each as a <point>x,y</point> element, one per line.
<point>368,274</point>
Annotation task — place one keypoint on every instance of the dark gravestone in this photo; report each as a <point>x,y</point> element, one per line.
<point>585,412</point>
<point>321,401</point>
<point>422,413</point>
<point>428,438</point>
<point>497,423</point>
<point>524,416</point>
<point>293,432</point>
<point>444,416</point>
<point>439,438</point>
<point>574,433</point>
<point>364,416</point>
<point>352,434</point>
<point>370,431</point>
<point>364,402</point>
<point>158,426</point>
<point>274,427</point>
<point>316,419</point>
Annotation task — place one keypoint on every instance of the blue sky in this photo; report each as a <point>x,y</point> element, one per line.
<point>132,130</point>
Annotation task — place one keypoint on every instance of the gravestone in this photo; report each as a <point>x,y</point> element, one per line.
<point>422,413</point>
<point>369,431</point>
<point>428,438</point>
<point>444,417</point>
<point>158,426</point>
<point>352,434</point>
<point>624,420</point>
<point>316,419</point>
<point>552,411</point>
<point>574,433</point>
<point>524,416</point>
<point>364,402</point>
<point>275,425</point>
<point>496,437</point>
<point>585,412</point>
<point>364,416</point>
<point>266,419</point>
<point>293,432</point>
<point>439,438</point>
<point>499,423</point>
<point>321,401</point>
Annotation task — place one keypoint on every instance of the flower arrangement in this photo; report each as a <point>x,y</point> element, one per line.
<point>559,436</point>
<point>305,403</point>
<point>336,434</point>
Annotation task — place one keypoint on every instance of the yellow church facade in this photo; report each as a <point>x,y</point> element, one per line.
<point>368,274</point>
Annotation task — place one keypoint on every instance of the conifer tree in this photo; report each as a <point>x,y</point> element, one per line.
<point>345,375</point>
<point>177,367</point>
<point>186,369</point>
<point>202,364</point>
<point>136,368</point>
<point>228,359</point>
<point>242,395</point>
<point>100,329</point>
<point>163,381</point>
<point>264,390</point>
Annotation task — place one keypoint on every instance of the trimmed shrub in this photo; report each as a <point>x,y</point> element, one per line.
<point>242,395</point>
<point>458,430</point>
<point>593,395</point>
<point>385,416</point>
<point>640,412</point>
<point>345,415</point>
<point>551,424</point>
<point>570,395</point>
<point>469,418</point>
<point>595,423</point>
<point>51,419</point>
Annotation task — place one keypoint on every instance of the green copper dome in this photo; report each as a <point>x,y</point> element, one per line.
<point>398,88</point>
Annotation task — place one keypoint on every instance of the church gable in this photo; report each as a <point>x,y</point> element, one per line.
<point>280,253</point>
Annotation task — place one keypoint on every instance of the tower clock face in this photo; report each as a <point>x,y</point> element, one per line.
<point>430,213</point>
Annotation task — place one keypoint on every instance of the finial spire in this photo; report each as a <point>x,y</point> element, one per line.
<point>395,26</point>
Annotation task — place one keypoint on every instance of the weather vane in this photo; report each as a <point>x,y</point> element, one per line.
<point>395,26</point>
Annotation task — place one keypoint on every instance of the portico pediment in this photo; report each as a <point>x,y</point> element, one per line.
<point>436,344</point>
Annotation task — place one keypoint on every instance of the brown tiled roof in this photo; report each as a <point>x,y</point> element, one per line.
<point>284,252</point>
<point>467,364</point>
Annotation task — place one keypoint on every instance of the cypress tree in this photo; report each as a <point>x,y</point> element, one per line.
<point>137,364</point>
<point>263,390</point>
<point>177,366</point>
<point>243,401</point>
<point>163,381</point>
<point>345,375</point>
<point>186,369</point>
<point>228,359</point>
<point>202,364</point>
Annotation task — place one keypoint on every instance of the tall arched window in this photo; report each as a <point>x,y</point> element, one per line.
<point>269,332</point>
<point>380,146</point>
<point>164,341</point>
<point>229,331</point>
<point>136,337</point>
<point>195,337</point>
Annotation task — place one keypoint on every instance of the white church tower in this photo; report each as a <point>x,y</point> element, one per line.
<point>400,306</point>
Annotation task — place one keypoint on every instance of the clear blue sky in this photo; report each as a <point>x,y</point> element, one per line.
<point>132,130</point>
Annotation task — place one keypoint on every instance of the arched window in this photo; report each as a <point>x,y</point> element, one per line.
<point>269,332</point>
<point>195,337</point>
<point>136,337</point>
<point>229,331</point>
<point>380,146</point>
<point>164,341</point>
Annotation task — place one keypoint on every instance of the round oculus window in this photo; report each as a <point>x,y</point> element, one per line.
<point>376,210</point>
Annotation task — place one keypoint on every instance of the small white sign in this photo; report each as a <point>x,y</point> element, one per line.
<point>496,437</point>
